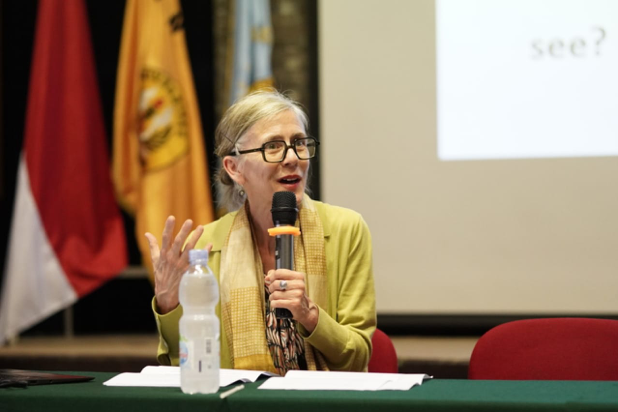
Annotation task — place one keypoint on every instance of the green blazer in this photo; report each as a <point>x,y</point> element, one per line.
<point>344,329</point>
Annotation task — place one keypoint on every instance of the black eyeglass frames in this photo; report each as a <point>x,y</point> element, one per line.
<point>275,151</point>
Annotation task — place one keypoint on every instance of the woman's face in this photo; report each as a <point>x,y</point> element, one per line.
<point>261,179</point>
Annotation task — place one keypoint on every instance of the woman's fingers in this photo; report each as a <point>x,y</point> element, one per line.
<point>195,236</point>
<point>153,245</point>
<point>168,230</point>
<point>179,241</point>
<point>283,285</point>
<point>288,294</point>
<point>284,274</point>
<point>291,280</point>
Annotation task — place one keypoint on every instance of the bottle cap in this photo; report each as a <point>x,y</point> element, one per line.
<point>197,254</point>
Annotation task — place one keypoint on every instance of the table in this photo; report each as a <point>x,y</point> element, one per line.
<point>433,395</point>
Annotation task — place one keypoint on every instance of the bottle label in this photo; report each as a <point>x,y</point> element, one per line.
<point>200,354</point>
<point>185,349</point>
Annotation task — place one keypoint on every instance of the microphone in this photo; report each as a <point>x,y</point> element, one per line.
<point>284,213</point>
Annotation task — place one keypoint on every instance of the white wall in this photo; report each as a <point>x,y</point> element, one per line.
<point>475,237</point>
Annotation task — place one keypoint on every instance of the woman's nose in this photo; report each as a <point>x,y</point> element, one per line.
<point>290,157</point>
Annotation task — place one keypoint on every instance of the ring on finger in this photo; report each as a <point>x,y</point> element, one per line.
<point>283,284</point>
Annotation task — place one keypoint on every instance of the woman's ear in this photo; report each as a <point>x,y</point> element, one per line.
<point>231,166</point>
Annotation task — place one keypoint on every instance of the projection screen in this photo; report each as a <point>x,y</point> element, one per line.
<point>478,141</point>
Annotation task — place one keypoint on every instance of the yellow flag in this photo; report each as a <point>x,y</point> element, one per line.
<point>159,164</point>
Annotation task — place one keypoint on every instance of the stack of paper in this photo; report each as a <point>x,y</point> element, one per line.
<point>169,376</point>
<point>348,381</point>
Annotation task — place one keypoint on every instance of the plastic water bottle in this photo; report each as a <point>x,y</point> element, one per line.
<point>199,327</point>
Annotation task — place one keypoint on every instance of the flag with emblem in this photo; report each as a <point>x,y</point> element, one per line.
<point>250,56</point>
<point>67,235</point>
<point>159,164</point>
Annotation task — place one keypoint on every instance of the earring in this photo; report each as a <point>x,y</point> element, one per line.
<point>241,192</point>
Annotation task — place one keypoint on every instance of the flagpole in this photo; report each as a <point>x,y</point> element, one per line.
<point>67,315</point>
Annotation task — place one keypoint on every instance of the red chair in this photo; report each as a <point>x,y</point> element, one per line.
<point>383,356</point>
<point>548,349</point>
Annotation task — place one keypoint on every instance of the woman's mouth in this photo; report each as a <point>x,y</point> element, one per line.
<point>290,181</point>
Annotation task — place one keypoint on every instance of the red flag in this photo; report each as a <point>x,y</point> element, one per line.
<point>67,235</point>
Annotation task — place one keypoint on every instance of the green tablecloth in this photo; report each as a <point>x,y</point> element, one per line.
<point>433,395</point>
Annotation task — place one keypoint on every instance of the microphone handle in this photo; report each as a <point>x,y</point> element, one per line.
<point>284,259</point>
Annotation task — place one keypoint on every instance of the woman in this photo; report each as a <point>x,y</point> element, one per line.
<point>263,143</point>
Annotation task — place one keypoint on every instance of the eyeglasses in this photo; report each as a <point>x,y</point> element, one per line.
<point>276,150</point>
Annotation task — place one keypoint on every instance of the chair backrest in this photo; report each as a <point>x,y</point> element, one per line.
<point>383,356</point>
<point>548,349</point>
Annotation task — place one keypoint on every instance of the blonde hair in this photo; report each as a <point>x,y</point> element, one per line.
<point>236,121</point>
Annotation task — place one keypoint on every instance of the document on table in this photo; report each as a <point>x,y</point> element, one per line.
<point>169,376</point>
<point>344,381</point>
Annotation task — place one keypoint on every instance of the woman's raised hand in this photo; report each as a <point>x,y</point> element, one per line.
<point>170,261</point>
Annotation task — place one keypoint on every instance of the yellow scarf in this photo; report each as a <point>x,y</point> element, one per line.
<point>242,288</point>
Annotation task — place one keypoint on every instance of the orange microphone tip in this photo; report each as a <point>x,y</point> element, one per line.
<point>284,230</point>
